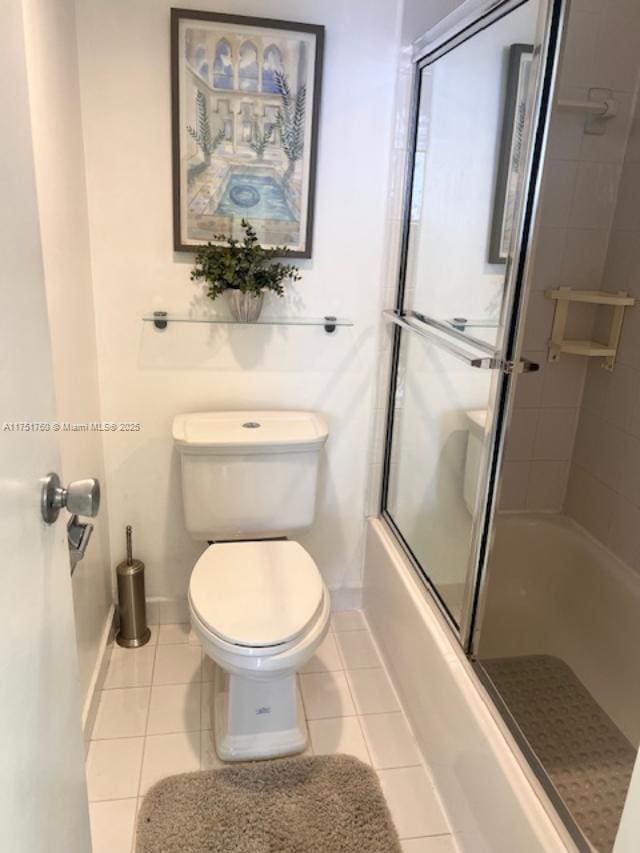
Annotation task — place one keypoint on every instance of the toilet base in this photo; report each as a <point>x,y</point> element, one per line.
<point>257,719</point>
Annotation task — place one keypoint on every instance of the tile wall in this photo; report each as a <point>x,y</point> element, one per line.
<point>604,481</point>
<point>581,185</point>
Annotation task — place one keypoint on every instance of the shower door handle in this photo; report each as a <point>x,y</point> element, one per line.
<point>523,365</point>
<point>488,361</point>
<point>432,333</point>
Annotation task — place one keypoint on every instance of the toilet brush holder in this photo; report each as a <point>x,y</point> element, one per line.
<point>132,611</point>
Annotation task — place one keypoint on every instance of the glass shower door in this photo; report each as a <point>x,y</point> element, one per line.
<point>481,103</point>
<point>443,397</point>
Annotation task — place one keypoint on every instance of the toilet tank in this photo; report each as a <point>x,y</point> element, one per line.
<point>249,474</point>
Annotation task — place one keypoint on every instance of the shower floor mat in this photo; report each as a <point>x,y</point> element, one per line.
<point>587,757</point>
<point>317,804</point>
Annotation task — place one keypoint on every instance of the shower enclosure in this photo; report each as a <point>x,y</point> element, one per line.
<point>512,458</point>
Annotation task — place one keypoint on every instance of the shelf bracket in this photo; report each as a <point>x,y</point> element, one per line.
<point>160,320</point>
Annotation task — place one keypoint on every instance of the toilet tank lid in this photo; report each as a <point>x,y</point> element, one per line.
<point>478,419</point>
<point>250,430</point>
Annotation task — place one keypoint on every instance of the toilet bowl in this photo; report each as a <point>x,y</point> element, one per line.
<point>257,603</point>
<point>260,610</point>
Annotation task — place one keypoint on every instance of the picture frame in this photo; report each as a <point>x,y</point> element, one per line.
<point>245,110</point>
<point>511,151</point>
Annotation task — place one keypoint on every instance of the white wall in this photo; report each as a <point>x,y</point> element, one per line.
<point>59,163</point>
<point>148,376</point>
<point>418,16</point>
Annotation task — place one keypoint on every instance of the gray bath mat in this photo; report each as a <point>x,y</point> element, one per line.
<point>320,804</point>
<point>587,757</point>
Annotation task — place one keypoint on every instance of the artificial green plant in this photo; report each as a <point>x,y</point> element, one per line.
<point>242,265</point>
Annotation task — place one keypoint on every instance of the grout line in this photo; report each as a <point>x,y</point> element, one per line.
<point>320,671</point>
<point>339,651</point>
<point>299,693</point>
<point>89,722</point>
<point>163,684</point>
<point>332,717</point>
<point>119,737</point>
<point>403,767</point>
<point>385,714</point>
<point>432,835</point>
<point>351,693</point>
<point>146,725</point>
<point>134,834</point>
<point>364,741</point>
<point>111,800</point>
<point>299,690</point>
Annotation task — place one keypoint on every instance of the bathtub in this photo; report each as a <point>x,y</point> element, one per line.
<point>492,799</point>
<point>554,589</point>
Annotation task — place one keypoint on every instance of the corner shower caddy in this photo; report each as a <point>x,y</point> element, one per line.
<point>559,344</point>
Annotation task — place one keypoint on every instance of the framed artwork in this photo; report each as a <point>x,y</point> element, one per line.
<point>511,156</point>
<point>245,107</point>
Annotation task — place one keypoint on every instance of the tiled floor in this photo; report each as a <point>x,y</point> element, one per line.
<point>153,720</point>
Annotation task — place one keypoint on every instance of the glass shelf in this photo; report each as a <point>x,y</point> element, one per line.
<point>161,320</point>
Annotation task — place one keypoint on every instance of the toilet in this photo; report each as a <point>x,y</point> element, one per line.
<point>257,600</point>
<point>476,426</point>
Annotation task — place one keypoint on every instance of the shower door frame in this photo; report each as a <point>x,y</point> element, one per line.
<point>435,44</point>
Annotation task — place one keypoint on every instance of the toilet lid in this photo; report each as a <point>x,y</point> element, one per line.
<point>256,593</point>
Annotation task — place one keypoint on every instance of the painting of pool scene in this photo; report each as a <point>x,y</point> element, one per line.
<point>246,130</point>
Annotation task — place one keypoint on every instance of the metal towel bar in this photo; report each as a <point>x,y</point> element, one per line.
<point>487,362</point>
<point>483,362</point>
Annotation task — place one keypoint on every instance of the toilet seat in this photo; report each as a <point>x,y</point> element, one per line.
<point>256,658</point>
<point>256,597</point>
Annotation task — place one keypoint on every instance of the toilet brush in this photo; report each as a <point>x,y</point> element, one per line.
<point>132,610</point>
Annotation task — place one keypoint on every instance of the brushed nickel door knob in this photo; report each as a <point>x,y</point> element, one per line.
<point>81,497</point>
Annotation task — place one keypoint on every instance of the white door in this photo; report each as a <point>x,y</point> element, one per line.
<point>43,798</point>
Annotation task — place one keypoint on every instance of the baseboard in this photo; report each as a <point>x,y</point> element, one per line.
<point>346,598</point>
<point>99,674</point>
<point>166,610</point>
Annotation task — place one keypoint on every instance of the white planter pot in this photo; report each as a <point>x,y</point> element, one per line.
<point>244,307</point>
